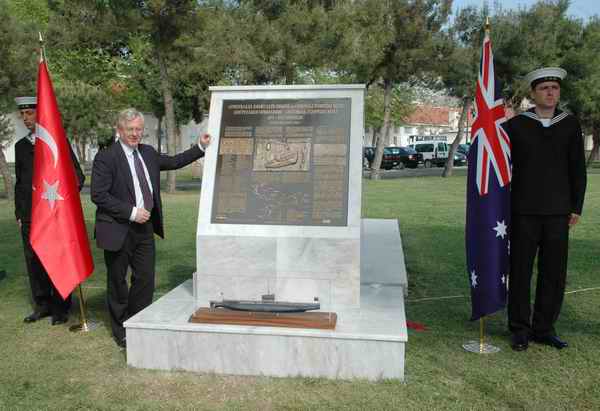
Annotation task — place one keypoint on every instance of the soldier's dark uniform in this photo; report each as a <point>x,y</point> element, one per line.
<point>548,185</point>
<point>46,299</point>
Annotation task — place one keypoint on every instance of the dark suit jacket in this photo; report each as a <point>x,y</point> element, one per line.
<point>24,176</point>
<point>113,193</point>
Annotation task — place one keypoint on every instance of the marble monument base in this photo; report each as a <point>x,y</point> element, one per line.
<point>368,342</point>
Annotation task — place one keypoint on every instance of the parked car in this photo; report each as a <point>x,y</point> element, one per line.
<point>463,148</point>
<point>399,157</point>
<point>460,159</point>
<point>408,157</point>
<point>368,155</point>
<point>388,161</point>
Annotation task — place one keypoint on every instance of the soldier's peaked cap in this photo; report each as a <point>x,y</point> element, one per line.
<point>26,102</point>
<point>545,74</point>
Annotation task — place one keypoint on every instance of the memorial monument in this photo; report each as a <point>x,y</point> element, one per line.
<point>280,215</point>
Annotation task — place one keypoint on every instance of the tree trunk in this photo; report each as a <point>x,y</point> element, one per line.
<point>289,71</point>
<point>80,147</point>
<point>595,153</point>
<point>385,131</point>
<point>376,138</point>
<point>466,106</point>
<point>170,117</point>
<point>5,171</point>
<point>159,135</point>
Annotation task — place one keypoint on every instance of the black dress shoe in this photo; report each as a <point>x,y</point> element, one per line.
<point>552,341</point>
<point>59,319</point>
<point>35,316</point>
<point>519,342</point>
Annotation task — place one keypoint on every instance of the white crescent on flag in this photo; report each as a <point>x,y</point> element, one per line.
<point>47,138</point>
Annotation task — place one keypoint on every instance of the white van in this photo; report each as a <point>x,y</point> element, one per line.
<point>434,153</point>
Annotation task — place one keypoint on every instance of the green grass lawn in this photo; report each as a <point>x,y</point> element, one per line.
<point>45,367</point>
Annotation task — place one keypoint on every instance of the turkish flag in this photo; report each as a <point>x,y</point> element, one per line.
<point>58,233</point>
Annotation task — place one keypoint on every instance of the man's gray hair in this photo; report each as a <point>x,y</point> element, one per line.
<point>127,115</point>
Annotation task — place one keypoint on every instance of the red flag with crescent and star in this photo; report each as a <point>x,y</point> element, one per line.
<point>58,233</point>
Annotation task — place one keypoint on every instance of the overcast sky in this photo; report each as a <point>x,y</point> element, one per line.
<point>579,8</point>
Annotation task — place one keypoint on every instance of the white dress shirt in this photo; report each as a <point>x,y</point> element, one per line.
<point>139,198</point>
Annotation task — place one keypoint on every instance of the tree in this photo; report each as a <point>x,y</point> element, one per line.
<point>388,43</point>
<point>401,108</point>
<point>86,114</point>
<point>164,22</point>
<point>531,38</point>
<point>17,71</point>
<point>582,90</point>
<point>265,42</point>
<point>459,74</point>
<point>84,50</point>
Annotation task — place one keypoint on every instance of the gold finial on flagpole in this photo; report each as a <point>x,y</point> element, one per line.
<point>42,51</point>
<point>487,25</point>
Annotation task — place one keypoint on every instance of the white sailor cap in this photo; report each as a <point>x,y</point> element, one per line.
<point>545,74</point>
<point>26,102</point>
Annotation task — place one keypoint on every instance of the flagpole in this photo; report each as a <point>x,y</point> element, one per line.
<point>84,325</point>
<point>481,334</point>
<point>480,347</point>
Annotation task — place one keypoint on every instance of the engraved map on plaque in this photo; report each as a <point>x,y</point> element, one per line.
<point>283,162</point>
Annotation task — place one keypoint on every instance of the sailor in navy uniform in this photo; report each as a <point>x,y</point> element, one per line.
<point>547,193</point>
<point>46,299</point>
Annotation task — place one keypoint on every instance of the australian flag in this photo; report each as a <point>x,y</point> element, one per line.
<point>488,195</point>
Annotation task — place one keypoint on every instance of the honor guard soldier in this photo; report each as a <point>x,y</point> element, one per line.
<point>46,299</point>
<point>547,192</point>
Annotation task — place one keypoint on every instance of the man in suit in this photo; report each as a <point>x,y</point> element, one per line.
<point>46,299</point>
<point>547,193</point>
<point>126,190</point>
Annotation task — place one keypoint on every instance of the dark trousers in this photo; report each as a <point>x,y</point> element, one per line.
<point>138,252</point>
<point>548,236</point>
<point>45,297</point>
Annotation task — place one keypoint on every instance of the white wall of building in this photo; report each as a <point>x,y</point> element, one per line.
<point>399,136</point>
<point>19,131</point>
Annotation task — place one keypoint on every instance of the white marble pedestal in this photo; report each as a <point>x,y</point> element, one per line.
<point>368,342</point>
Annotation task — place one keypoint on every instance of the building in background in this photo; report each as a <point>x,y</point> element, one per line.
<point>425,120</point>
<point>441,124</point>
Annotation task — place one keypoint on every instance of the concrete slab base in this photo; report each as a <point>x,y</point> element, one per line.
<point>368,342</point>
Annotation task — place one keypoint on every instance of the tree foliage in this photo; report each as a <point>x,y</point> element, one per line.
<point>583,91</point>
<point>17,62</point>
<point>162,56</point>
<point>391,42</point>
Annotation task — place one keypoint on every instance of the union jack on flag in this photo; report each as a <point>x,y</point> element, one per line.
<point>493,145</point>
<point>488,195</point>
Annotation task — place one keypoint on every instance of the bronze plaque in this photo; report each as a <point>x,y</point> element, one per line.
<point>283,162</point>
